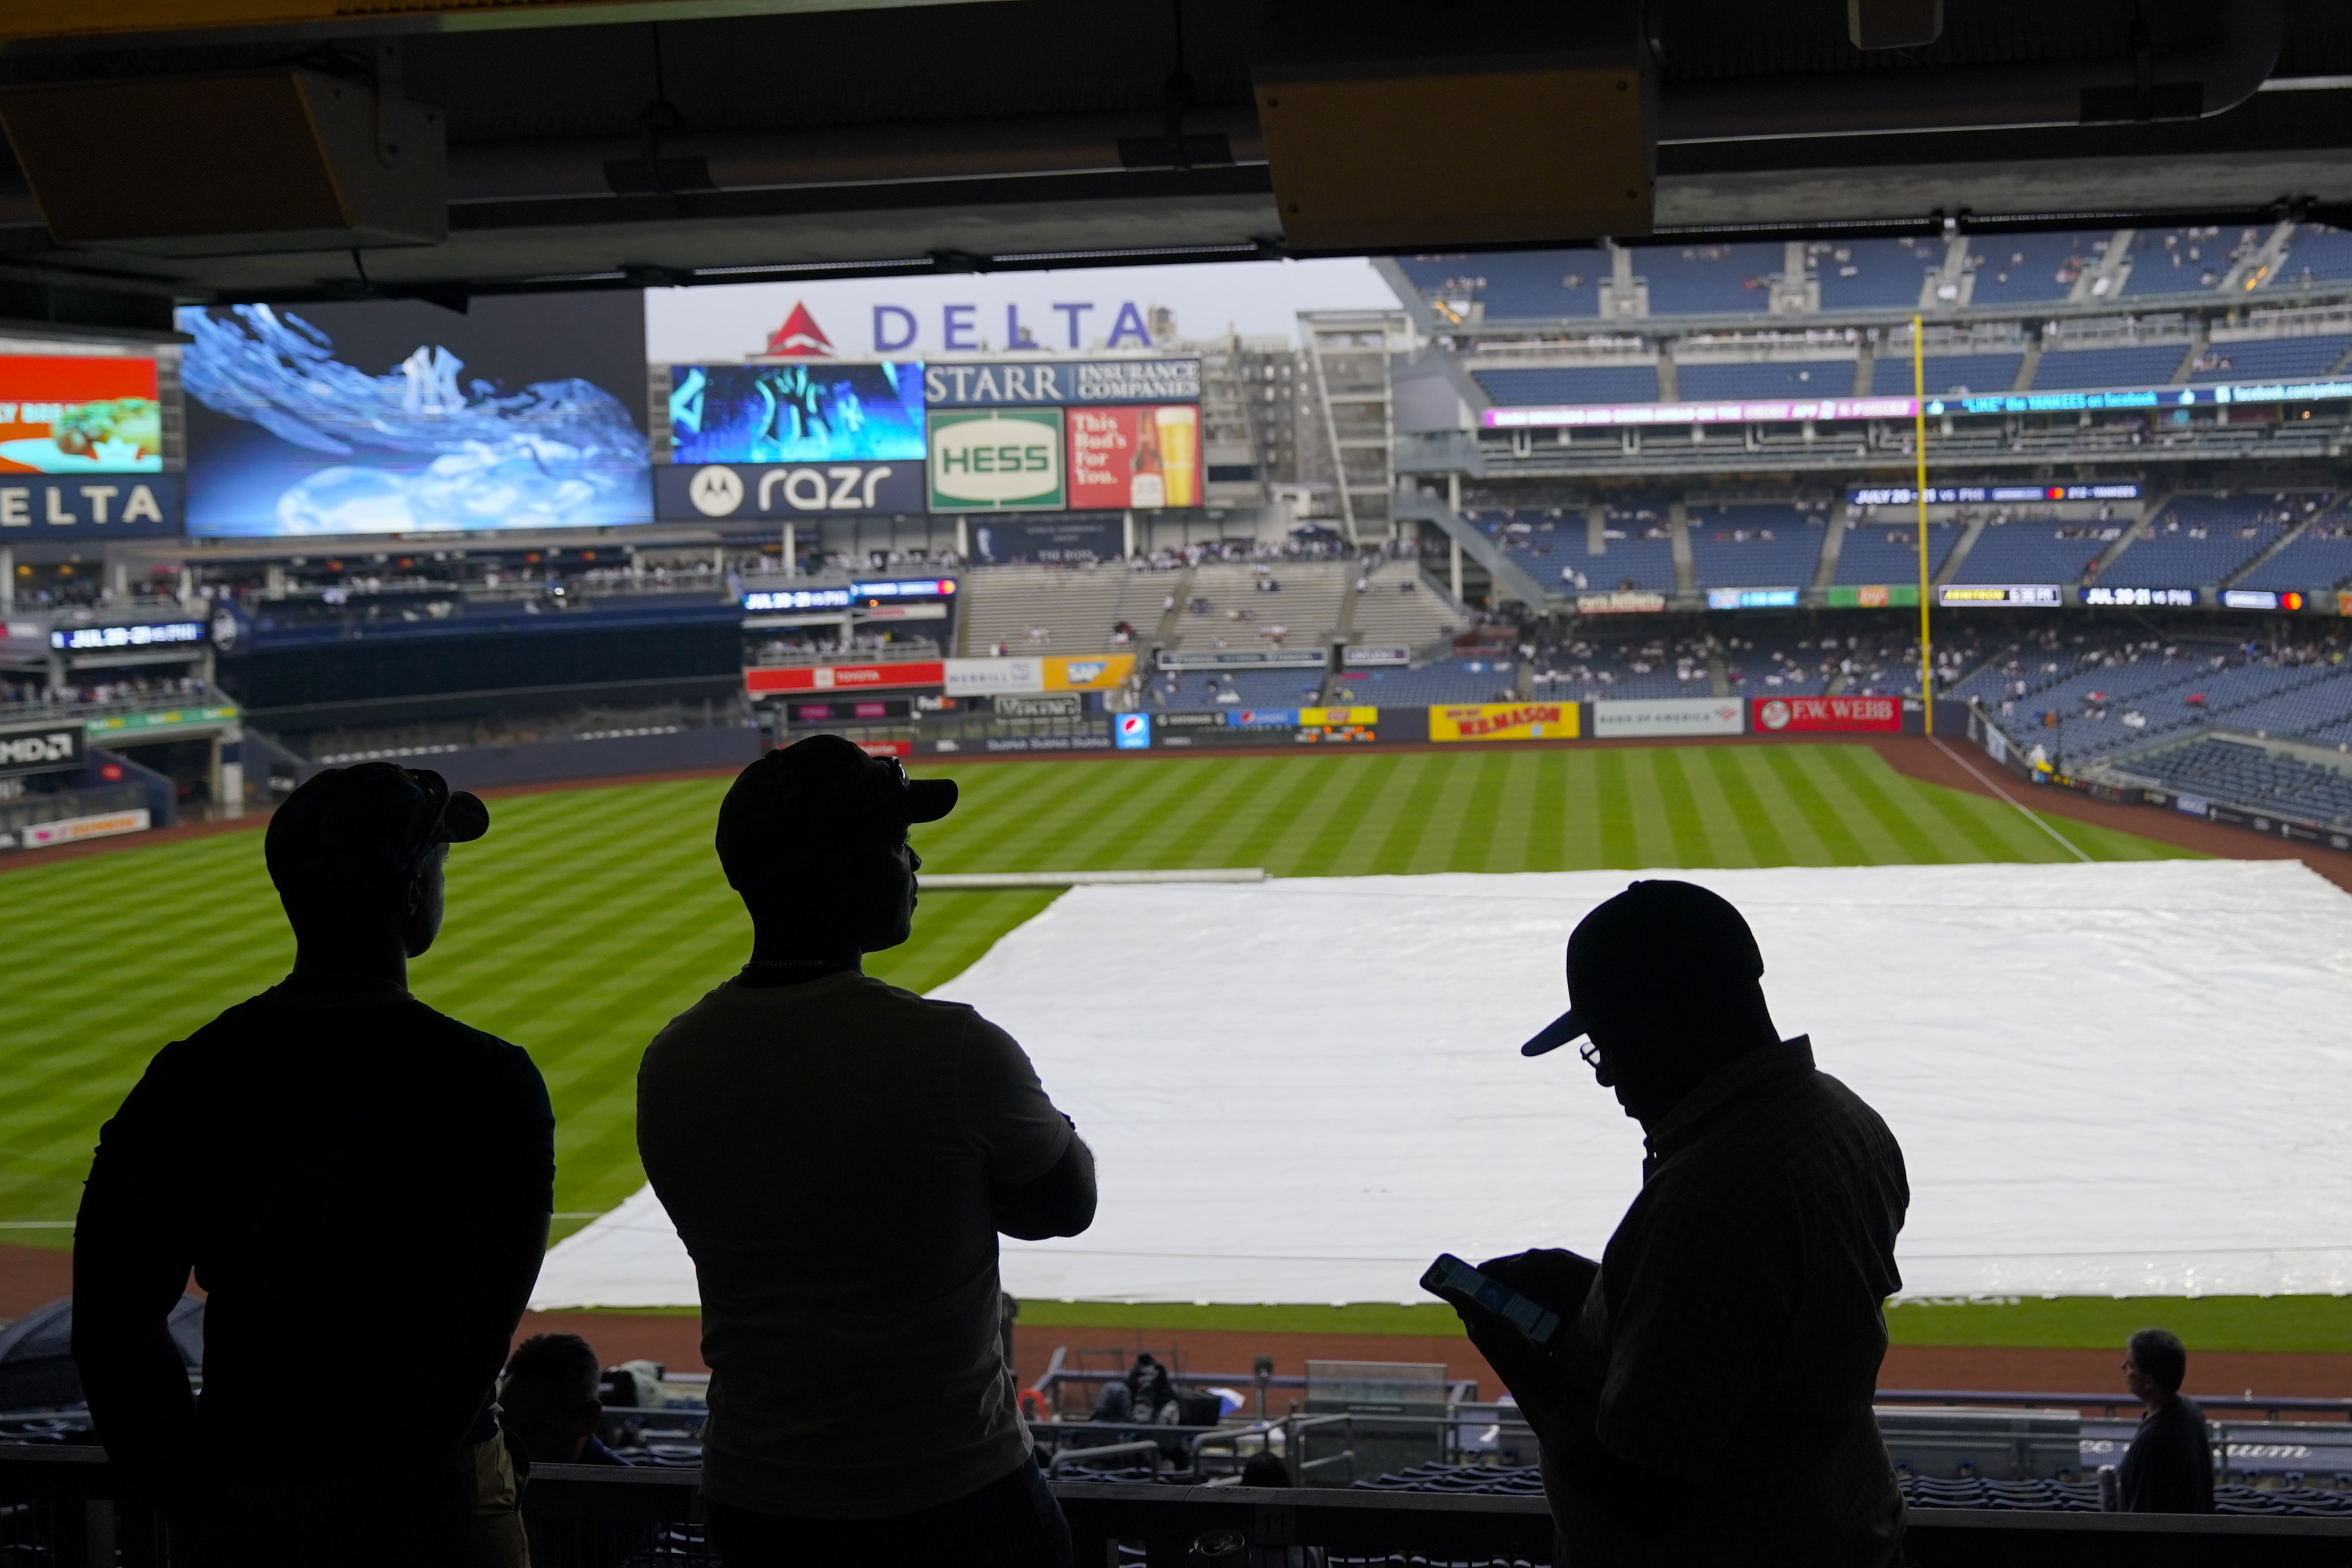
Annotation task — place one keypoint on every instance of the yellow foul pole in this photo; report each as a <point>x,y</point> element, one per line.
<point>1919,443</point>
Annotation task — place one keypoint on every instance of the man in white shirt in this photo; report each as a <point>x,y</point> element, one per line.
<point>839,1155</point>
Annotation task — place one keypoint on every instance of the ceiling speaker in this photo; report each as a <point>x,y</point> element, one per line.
<point>257,162</point>
<point>1507,124</point>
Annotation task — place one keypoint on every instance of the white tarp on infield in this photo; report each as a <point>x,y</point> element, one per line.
<point>2107,1078</point>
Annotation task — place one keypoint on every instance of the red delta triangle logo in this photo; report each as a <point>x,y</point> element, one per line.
<point>799,338</point>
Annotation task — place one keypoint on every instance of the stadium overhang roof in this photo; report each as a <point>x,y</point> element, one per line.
<point>529,145</point>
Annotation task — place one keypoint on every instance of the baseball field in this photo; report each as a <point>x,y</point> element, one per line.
<point>590,916</point>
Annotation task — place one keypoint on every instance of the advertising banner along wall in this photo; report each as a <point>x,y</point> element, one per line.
<point>1052,673</point>
<point>1505,721</point>
<point>1635,716</point>
<point>1774,716</point>
<point>768,681</point>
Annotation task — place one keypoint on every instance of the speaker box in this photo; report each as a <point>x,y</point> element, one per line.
<point>1509,124</point>
<point>283,159</point>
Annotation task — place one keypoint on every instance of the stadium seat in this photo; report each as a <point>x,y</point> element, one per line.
<point>2140,365</point>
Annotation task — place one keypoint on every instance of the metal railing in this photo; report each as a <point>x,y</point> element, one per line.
<point>154,702</point>
<point>881,654</point>
<point>2270,1404</point>
<point>60,1507</point>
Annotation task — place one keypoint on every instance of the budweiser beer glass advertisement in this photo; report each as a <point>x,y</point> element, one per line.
<point>1144,458</point>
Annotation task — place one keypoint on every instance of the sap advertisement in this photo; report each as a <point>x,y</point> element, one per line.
<point>397,416</point>
<point>1078,311</point>
<point>80,413</point>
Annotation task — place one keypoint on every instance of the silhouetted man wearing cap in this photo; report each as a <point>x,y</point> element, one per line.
<point>342,1166</point>
<point>839,1157</point>
<point>1708,1399</point>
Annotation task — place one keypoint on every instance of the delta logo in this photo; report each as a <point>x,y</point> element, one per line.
<point>799,338</point>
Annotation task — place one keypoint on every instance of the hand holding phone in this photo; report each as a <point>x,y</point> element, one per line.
<point>1538,1321</point>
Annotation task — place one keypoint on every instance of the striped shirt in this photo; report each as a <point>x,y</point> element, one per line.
<point>1734,1329</point>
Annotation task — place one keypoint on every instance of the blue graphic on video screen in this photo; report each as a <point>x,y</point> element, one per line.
<point>305,443</point>
<point>797,412</point>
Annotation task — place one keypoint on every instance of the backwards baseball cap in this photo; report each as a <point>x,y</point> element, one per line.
<point>1671,941</point>
<point>367,825</point>
<point>795,804</point>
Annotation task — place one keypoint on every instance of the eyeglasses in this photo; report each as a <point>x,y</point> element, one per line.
<point>1590,1052</point>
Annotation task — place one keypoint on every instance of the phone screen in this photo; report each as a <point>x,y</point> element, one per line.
<point>1539,1323</point>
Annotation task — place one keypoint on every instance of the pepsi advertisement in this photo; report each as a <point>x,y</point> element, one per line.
<point>401,417</point>
<point>797,412</point>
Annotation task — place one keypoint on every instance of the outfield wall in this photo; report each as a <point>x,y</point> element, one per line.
<point>1534,720</point>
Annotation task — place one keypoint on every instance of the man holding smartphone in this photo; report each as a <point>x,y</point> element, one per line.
<point>1707,1397</point>
<point>839,1157</point>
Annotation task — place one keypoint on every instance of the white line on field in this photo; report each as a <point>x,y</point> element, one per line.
<point>1937,741</point>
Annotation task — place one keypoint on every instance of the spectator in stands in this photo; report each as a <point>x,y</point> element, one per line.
<point>550,1404</point>
<point>1708,1398</point>
<point>294,1152</point>
<point>551,1400</point>
<point>838,1156</point>
<point>1141,1396</point>
<point>2168,1468</point>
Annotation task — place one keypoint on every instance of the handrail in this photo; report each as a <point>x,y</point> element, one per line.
<point>2110,1401</point>
<point>75,1484</point>
<point>1104,1451</point>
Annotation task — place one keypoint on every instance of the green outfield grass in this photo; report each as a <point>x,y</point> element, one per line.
<point>589,918</point>
<point>2064,1322</point>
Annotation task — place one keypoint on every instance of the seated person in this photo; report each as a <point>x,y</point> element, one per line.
<point>551,1401</point>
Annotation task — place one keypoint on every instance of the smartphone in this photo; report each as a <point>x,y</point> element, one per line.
<point>1539,1323</point>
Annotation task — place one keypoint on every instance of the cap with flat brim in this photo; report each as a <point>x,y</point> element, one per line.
<point>1555,1034</point>
<point>929,800</point>
<point>462,818</point>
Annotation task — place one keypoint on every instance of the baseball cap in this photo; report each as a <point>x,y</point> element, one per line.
<point>794,801</point>
<point>369,824</point>
<point>1667,939</point>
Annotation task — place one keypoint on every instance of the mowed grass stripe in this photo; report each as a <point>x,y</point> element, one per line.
<point>592,916</point>
<point>1693,845</point>
<point>1423,779</point>
<point>1910,838</point>
<point>1613,805</point>
<point>1482,813</point>
<point>1321,855</point>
